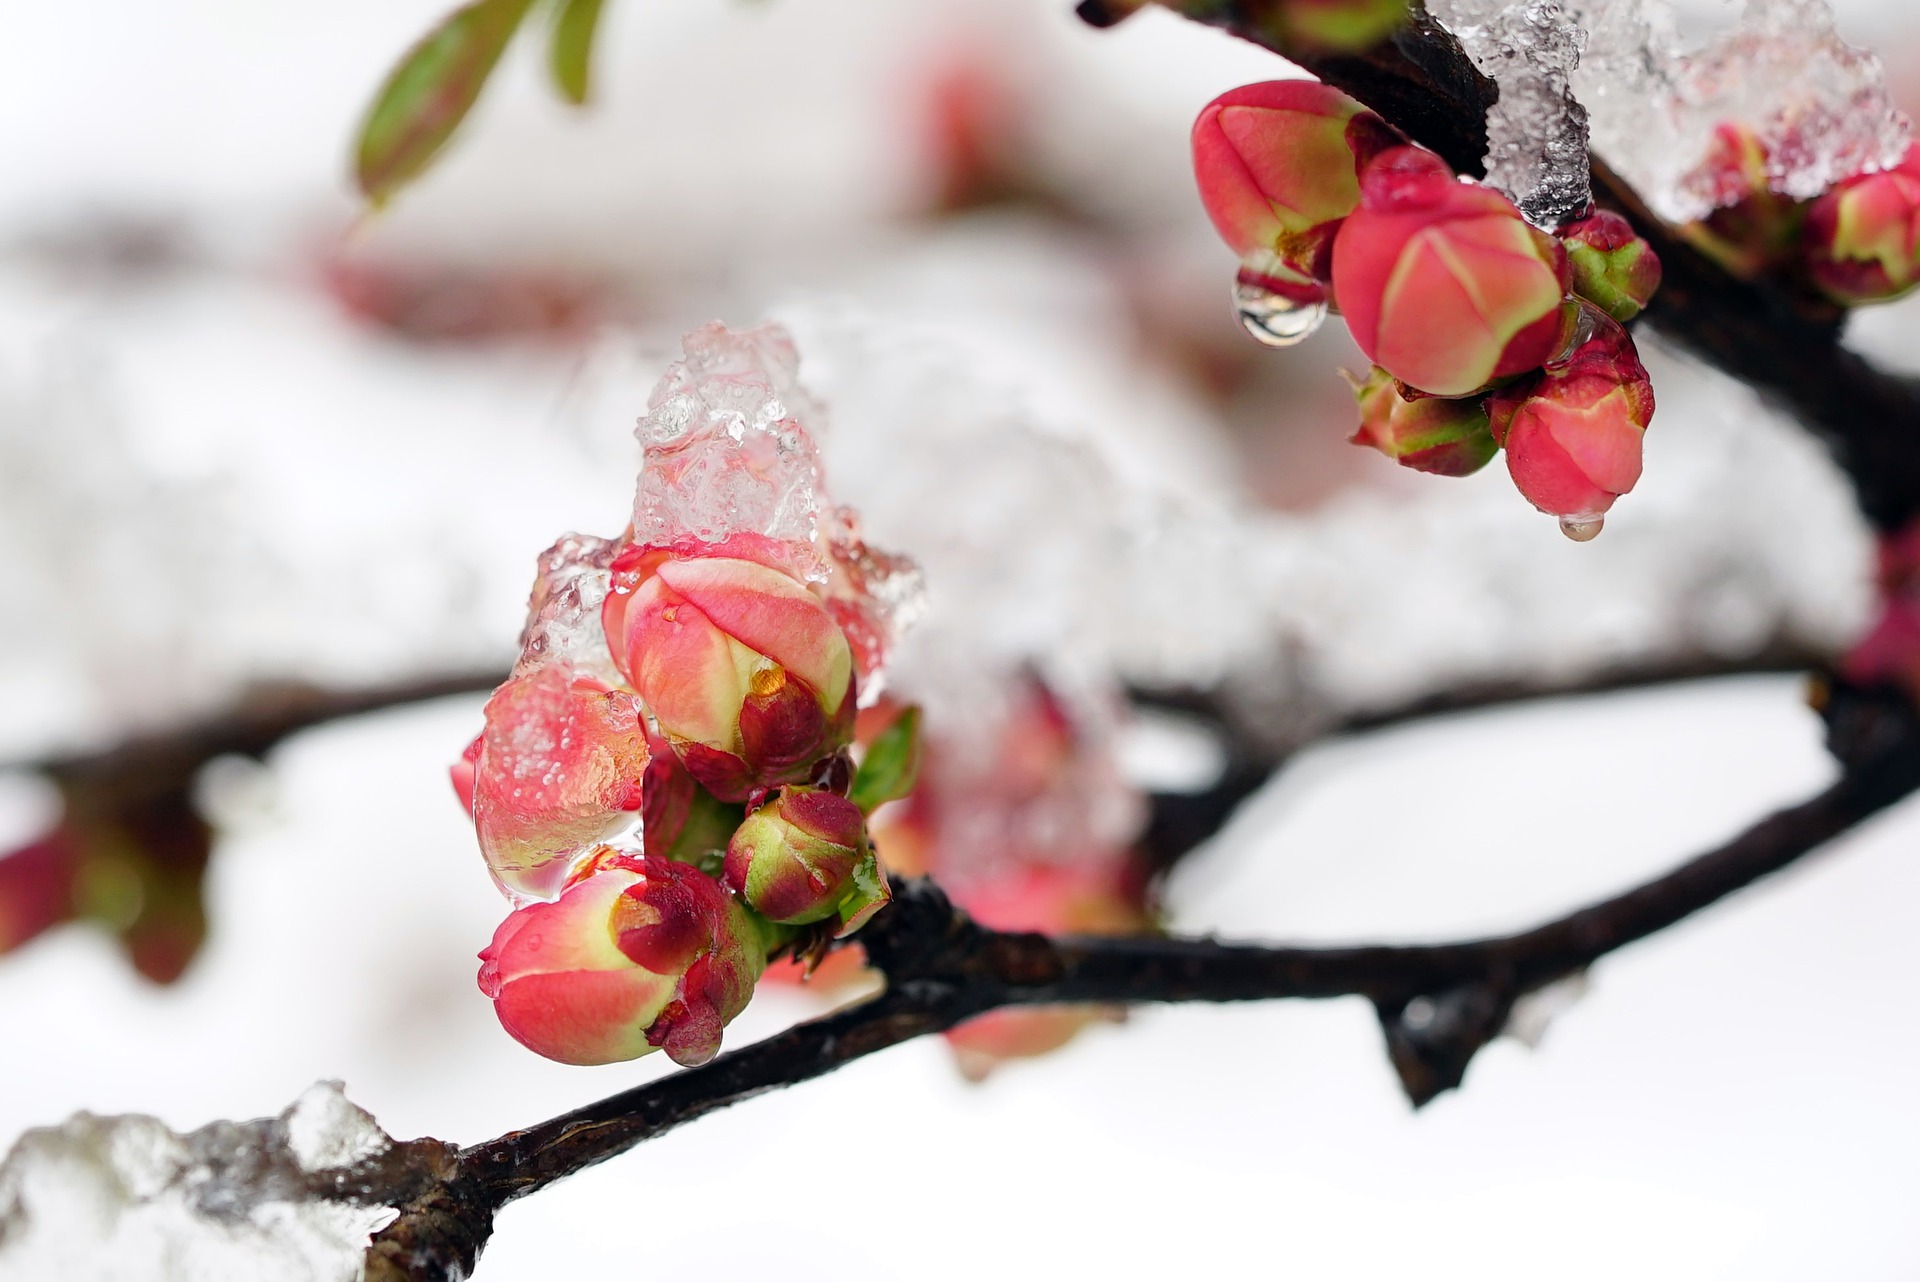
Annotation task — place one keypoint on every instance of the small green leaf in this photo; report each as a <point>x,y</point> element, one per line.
<point>892,764</point>
<point>428,94</point>
<point>575,22</point>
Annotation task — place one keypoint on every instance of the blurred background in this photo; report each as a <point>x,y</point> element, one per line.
<point>259,449</point>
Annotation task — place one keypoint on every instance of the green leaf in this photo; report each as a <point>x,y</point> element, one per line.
<point>891,766</point>
<point>428,94</point>
<point>570,57</point>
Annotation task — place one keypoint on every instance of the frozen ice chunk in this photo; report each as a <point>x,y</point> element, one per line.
<point>1820,106</point>
<point>293,1198</point>
<point>725,451</point>
<point>1537,131</point>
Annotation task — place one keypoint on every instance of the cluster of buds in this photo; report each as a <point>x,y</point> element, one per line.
<point>1856,243</point>
<point>664,785</point>
<point>1483,330</point>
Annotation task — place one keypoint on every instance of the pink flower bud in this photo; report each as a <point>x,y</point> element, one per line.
<point>465,771</point>
<point>1890,650</point>
<point>1613,268</point>
<point>637,953</point>
<point>1862,239</point>
<point>559,768</point>
<point>1276,164</point>
<point>1443,284</point>
<point>804,857</point>
<point>1573,434</point>
<point>744,669</point>
<point>1427,433</point>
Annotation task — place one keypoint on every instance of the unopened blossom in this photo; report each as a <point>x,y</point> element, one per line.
<point>1612,266</point>
<point>680,819</point>
<point>638,953</point>
<point>37,885</point>
<point>559,767</point>
<point>1752,228</point>
<point>742,666</point>
<point>804,857</point>
<point>1448,437</point>
<point>1862,239</point>
<point>1277,164</point>
<point>1573,434</point>
<point>1442,283</point>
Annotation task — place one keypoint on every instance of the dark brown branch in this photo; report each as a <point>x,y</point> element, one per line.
<point>1768,335</point>
<point>1438,1003</point>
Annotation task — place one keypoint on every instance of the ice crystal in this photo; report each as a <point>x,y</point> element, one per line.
<point>1820,106</point>
<point>1537,131</point>
<point>293,1198</point>
<point>563,613</point>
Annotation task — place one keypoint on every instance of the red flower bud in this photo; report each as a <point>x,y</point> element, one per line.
<point>1612,267</point>
<point>745,670</point>
<point>37,887</point>
<point>1573,434</point>
<point>559,768</point>
<point>804,857</point>
<point>679,819</point>
<point>1428,433</point>
<point>1277,164</point>
<point>464,772</point>
<point>1443,284</point>
<point>1890,650</point>
<point>637,953</point>
<point>1862,239</point>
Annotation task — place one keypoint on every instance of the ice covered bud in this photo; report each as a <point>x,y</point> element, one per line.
<point>559,767</point>
<point>1573,434</point>
<point>1277,166</point>
<point>1751,227</point>
<point>1442,283</point>
<point>1426,433</point>
<point>638,953</point>
<point>1862,239</point>
<point>464,772</point>
<point>743,668</point>
<point>1613,268</point>
<point>804,857</point>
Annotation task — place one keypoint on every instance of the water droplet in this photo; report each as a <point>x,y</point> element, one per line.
<point>1581,528</point>
<point>1274,319</point>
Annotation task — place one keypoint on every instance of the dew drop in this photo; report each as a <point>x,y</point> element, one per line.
<point>1581,529</point>
<point>1274,319</point>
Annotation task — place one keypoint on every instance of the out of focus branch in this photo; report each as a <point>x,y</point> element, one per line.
<point>1438,1003</point>
<point>1780,342</point>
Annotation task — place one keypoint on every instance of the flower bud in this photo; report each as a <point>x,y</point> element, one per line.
<point>1443,284</point>
<point>465,772</point>
<point>637,953</point>
<point>1890,649</point>
<point>745,671</point>
<point>1276,164</point>
<point>1573,434</point>
<point>1862,239</point>
<point>1752,227</point>
<point>804,857</point>
<point>1427,433</point>
<point>559,768</point>
<point>1613,268</point>
<point>680,820</point>
<point>37,885</point>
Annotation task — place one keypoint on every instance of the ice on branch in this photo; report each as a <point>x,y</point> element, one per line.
<point>293,1198</point>
<point>1819,106</point>
<point>1537,131</point>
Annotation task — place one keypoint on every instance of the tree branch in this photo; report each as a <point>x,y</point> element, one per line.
<point>1438,1003</point>
<point>1769,335</point>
